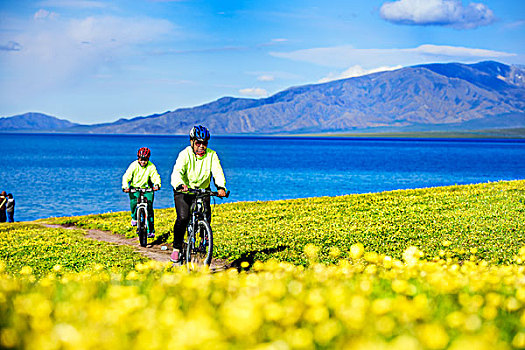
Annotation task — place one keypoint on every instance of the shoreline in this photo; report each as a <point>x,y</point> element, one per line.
<point>488,134</point>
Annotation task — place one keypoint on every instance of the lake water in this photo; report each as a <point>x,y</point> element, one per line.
<point>65,175</point>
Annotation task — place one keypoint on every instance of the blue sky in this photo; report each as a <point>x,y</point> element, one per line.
<point>92,61</point>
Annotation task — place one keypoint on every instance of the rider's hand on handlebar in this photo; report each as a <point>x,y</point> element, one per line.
<point>125,190</point>
<point>156,188</point>
<point>183,188</point>
<point>221,192</point>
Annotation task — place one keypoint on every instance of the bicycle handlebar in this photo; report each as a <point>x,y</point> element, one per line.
<point>143,190</point>
<point>202,192</point>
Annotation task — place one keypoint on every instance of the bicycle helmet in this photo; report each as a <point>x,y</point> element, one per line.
<point>144,152</point>
<point>199,133</point>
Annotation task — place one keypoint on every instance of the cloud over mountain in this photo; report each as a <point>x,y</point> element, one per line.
<point>346,56</point>
<point>254,92</point>
<point>437,12</point>
<point>355,71</point>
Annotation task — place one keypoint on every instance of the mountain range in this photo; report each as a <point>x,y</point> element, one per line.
<point>430,97</point>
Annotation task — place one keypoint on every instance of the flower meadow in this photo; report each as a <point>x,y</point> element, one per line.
<point>451,277</point>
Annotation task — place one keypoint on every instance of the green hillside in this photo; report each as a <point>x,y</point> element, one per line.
<point>437,268</point>
<point>486,217</point>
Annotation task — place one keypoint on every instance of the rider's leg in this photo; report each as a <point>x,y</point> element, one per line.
<point>182,207</point>
<point>151,220</point>
<point>207,207</point>
<point>133,198</point>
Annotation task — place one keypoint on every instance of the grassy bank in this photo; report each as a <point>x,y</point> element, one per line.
<point>484,220</point>
<point>42,250</point>
<point>439,268</point>
<point>510,133</point>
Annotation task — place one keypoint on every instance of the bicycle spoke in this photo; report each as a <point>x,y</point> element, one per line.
<point>200,252</point>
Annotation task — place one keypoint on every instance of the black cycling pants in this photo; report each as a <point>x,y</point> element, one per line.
<point>182,207</point>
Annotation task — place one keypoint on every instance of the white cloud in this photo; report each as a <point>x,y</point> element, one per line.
<point>355,71</point>
<point>274,42</point>
<point>254,92</point>
<point>515,24</point>
<point>112,32</point>
<point>345,56</point>
<point>266,78</point>
<point>52,50</point>
<point>459,51</point>
<point>43,14</point>
<point>81,4</point>
<point>437,12</point>
<point>11,46</point>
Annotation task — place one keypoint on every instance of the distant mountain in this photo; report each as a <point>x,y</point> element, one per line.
<point>34,122</point>
<point>430,97</point>
<point>424,97</point>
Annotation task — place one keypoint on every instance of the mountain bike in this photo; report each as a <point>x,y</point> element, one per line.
<point>198,245</point>
<point>141,215</point>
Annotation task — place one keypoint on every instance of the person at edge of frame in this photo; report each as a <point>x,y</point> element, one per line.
<point>10,208</point>
<point>3,205</point>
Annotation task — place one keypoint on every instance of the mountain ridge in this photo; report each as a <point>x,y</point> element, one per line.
<point>34,120</point>
<point>422,97</point>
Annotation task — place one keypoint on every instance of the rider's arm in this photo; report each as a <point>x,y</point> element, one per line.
<point>218,174</point>
<point>128,175</point>
<point>179,170</point>
<point>154,175</point>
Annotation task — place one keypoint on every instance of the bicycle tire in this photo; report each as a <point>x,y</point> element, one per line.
<point>142,227</point>
<point>199,250</point>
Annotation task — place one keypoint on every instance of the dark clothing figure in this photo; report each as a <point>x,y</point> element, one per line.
<point>10,208</point>
<point>3,205</point>
<point>183,206</point>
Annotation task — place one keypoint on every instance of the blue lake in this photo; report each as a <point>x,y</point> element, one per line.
<point>65,175</point>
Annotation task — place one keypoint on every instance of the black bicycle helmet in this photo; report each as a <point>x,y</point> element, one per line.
<point>199,133</point>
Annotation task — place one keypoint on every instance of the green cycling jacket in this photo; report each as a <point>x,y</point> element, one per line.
<point>197,172</point>
<point>141,177</point>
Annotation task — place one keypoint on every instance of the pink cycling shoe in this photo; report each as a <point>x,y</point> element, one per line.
<point>175,256</point>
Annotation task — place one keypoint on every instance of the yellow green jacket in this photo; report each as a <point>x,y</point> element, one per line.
<point>197,172</point>
<point>141,177</point>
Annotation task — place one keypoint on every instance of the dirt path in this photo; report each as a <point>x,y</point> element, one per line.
<point>152,251</point>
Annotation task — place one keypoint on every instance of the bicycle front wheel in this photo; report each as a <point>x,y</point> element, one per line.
<point>142,226</point>
<point>200,246</point>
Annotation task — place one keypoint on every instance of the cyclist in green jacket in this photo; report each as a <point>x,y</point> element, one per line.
<point>194,168</point>
<point>142,174</point>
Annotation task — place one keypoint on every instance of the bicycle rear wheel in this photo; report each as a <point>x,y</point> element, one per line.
<point>200,246</point>
<point>142,226</point>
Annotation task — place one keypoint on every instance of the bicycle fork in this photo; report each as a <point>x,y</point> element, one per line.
<point>144,207</point>
<point>193,231</point>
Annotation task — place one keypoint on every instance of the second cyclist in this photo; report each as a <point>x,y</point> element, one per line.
<point>142,174</point>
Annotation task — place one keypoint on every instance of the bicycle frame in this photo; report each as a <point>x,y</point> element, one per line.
<point>142,205</point>
<point>199,243</point>
<point>198,209</point>
<point>142,201</point>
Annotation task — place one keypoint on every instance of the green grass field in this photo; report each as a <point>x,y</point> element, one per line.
<point>486,217</point>
<point>437,268</point>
